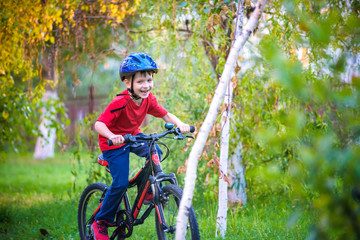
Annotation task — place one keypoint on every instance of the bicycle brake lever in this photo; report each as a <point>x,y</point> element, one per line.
<point>182,137</point>
<point>179,136</point>
<point>134,145</point>
<point>137,144</point>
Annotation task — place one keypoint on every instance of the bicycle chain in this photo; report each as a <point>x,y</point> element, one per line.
<point>125,224</point>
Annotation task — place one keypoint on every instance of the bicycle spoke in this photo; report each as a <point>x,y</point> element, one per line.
<point>171,204</point>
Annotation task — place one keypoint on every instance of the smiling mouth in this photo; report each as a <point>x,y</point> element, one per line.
<point>144,91</point>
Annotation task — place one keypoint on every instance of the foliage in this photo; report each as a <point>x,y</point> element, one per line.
<point>20,113</point>
<point>28,30</point>
<point>302,116</point>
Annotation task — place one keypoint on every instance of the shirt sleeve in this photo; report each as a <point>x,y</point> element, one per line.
<point>156,109</point>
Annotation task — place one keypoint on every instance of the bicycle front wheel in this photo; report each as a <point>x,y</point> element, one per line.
<point>89,202</point>
<point>173,194</point>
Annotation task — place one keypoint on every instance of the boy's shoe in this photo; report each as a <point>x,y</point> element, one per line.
<point>148,198</point>
<point>100,230</point>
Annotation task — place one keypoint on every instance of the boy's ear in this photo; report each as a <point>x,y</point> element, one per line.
<point>127,82</point>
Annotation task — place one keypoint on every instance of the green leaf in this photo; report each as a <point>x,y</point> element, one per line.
<point>183,4</point>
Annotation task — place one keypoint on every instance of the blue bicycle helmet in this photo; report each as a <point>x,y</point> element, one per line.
<point>137,62</point>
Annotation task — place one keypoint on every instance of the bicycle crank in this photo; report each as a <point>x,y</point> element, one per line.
<point>125,225</point>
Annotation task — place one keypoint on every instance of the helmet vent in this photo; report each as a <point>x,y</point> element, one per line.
<point>137,60</point>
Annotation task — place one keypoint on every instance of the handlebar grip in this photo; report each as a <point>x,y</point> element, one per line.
<point>127,138</point>
<point>192,129</point>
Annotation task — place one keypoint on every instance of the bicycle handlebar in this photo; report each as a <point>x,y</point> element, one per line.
<point>128,138</point>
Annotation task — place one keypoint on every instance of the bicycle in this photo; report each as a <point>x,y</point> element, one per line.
<point>166,197</point>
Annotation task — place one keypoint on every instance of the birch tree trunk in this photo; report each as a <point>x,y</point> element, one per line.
<point>236,173</point>
<point>221,220</point>
<point>224,152</point>
<point>236,168</point>
<point>204,130</point>
<point>45,144</point>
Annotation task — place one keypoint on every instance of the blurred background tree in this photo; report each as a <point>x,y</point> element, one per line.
<point>310,61</point>
<point>37,38</point>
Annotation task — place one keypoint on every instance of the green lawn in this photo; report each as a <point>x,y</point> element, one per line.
<point>40,195</point>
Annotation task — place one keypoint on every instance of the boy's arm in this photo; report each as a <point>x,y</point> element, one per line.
<point>103,130</point>
<point>171,118</point>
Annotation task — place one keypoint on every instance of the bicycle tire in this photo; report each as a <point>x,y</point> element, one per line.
<point>87,208</point>
<point>170,208</point>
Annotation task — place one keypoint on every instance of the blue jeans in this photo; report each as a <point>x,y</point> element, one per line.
<point>118,160</point>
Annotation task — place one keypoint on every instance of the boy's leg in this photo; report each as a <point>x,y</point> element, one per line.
<point>143,151</point>
<point>118,160</point>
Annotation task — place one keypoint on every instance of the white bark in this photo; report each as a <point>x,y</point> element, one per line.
<point>224,152</point>
<point>237,194</point>
<point>45,145</point>
<point>239,19</point>
<point>204,130</point>
<point>236,169</point>
<point>221,220</point>
<point>353,68</point>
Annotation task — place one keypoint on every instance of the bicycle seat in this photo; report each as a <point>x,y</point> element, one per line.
<point>103,162</point>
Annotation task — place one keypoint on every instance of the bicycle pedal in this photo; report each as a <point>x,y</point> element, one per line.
<point>114,224</point>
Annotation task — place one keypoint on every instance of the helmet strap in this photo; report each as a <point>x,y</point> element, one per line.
<point>131,90</point>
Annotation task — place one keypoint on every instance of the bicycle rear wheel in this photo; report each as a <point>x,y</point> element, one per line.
<point>173,194</point>
<point>89,202</point>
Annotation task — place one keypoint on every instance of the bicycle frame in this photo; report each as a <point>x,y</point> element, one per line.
<point>149,176</point>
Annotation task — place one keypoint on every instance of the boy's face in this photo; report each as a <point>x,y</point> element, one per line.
<point>143,83</point>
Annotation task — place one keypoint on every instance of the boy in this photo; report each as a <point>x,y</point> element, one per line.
<point>124,115</point>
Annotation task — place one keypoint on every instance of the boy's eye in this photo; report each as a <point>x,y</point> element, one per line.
<point>143,81</point>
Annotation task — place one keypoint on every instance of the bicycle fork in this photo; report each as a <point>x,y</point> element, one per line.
<point>160,198</point>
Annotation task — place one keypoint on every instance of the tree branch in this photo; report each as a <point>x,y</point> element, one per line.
<point>209,50</point>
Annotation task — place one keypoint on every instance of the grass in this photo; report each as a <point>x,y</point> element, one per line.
<point>272,218</point>
<point>40,196</point>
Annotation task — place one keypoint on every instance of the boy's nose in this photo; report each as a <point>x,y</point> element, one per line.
<point>147,84</point>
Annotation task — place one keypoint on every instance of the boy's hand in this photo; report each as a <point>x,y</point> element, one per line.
<point>117,139</point>
<point>184,128</point>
